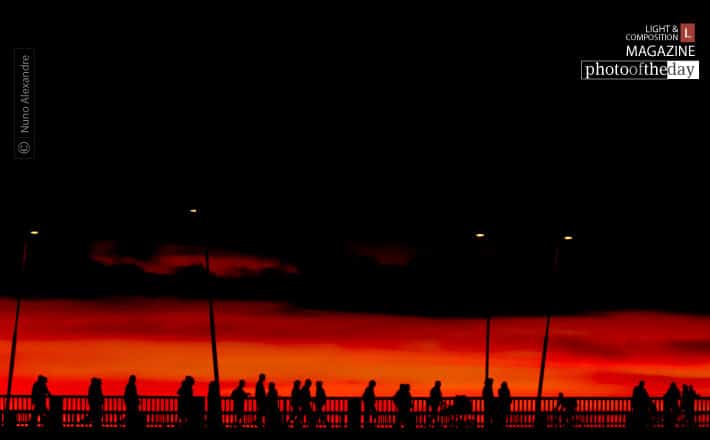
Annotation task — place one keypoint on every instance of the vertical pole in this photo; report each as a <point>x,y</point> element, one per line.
<point>488,343</point>
<point>13,347</point>
<point>539,421</point>
<point>213,336</point>
<point>538,400</point>
<point>13,350</point>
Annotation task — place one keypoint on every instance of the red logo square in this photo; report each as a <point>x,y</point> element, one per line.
<point>687,32</point>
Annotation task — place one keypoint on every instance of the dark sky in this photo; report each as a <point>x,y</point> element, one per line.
<point>302,143</point>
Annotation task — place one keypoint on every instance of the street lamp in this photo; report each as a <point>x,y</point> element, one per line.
<point>13,347</point>
<point>480,235</point>
<point>193,212</point>
<point>539,421</point>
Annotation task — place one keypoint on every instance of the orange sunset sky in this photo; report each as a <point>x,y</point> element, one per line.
<point>161,340</point>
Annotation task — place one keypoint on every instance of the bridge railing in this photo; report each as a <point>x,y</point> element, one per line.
<point>161,412</point>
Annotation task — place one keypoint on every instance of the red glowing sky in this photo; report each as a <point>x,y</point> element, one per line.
<point>161,340</point>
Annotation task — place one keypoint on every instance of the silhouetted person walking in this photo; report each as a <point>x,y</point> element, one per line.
<point>320,401</point>
<point>214,408</point>
<point>96,403</point>
<point>670,407</point>
<point>368,400</point>
<point>260,397</point>
<point>185,401</point>
<point>433,404</point>
<point>640,407</point>
<point>687,403</point>
<point>305,403</point>
<point>130,398</point>
<point>566,409</point>
<point>505,402</point>
<point>273,414</point>
<point>239,396</point>
<point>488,403</point>
<point>40,394</point>
<point>295,416</point>
<point>403,401</point>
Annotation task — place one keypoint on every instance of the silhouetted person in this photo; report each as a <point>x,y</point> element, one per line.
<point>488,402</point>
<point>214,407</point>
<point>130,398</point>
<point>433,404</point>
<point>566,408</point>
<point>260,397</point>
<point>505,401</point>
<point>320,401</point>
<point>305,402</point>
<point>273,414</point>
<point>368,400</point>
<point>295,416</point>
<point>670,406</point>
<point>403,402</point>
<point>96,403</point>
<point>501,407</point>
<point>687,403</point>
<point>239,396</point>
<point>40,393</point>
<point>640,407</point>
<point>185,401</point>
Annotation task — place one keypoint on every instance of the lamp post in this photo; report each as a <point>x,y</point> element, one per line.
<point>539,420</point>
<point>480,235</point>
<point>13,347</point>
<point>194,212</point>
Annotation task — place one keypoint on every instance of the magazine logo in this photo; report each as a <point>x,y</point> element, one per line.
<point>654,51</point>
<point>687,32</point>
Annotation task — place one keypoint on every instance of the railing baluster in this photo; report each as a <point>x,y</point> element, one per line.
<point>160,412</point>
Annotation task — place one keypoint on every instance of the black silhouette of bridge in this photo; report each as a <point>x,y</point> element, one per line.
<point>160,413</point>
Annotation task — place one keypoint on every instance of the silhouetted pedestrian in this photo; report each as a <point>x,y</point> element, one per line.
<point>214,407</point>
<point>273,414</point>
<point>504,403</point>
<point>239,396</point>
<point>185,401</point>
<point>320,401</point>
<point>130,398</point>
<point>260,397</point>
<point>433,404</point>
<point>670,407</point>
<point>305,403</point>
<point>40,394</point>
<point>488,402</point>
<point>368,400</point>
<point>687,403</point>
<point>566,409</point>
<point>403,402</point>
<point>640,407</point>
<point>295,402</point>
<point>96,403</point>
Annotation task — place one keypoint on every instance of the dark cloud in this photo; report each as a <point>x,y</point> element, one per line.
<point>169,259</point>
<point>391,254</point>
<point>585,346</point>
<point>690,345</point>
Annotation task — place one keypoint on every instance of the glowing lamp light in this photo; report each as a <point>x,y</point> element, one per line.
<point>479,235</point>
<point>567,238</point>
<point>34,232</point>
<point>192,211</point>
